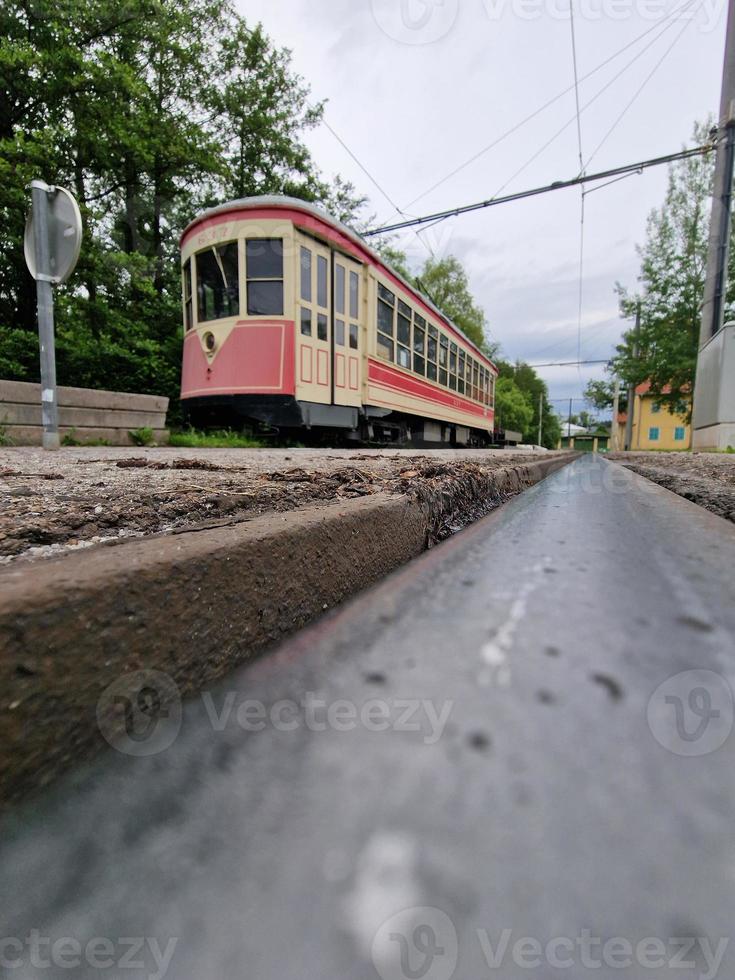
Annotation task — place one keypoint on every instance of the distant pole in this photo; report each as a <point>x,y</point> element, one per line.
<point>569,424</point>
<point>719,237</point>
<point>540,417</point>
<point>631,388</point>
<point>614,425</point>
<point>45,301</point>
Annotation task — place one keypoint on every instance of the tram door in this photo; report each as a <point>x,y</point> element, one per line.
<point>314,336</point>
<point>347,277</point>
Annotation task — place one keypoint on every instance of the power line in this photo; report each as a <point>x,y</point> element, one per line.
<point>557,185</point>
<point>362,167</point>
<point>542,108</point>
<point>638,91</point>
<point>568,363</point>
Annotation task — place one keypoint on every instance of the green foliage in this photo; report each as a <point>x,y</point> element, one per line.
<point>142,437</point>
<point>673,261</point>
<point>601,395</point>
<point>513,409</point>
<point>148,111</point>
<point>445,282</point>
<point>535,392</point>
<point>222,439</point>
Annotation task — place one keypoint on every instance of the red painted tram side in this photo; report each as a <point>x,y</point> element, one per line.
<point>292,321</point>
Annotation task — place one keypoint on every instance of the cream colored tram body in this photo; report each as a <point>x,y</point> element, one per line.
<point>293,323</point>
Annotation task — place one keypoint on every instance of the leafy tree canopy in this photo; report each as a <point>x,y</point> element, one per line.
<point>673,260</point>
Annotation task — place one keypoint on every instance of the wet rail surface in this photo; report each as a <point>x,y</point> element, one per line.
<point>512,758</point>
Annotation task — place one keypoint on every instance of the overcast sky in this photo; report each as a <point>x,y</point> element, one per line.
<point>415,88</point>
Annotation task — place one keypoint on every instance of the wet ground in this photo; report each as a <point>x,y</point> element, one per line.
<point>54,502</point>
<point>707,479</point>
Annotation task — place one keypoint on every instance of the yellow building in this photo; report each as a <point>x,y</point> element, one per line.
<point>655,425</point>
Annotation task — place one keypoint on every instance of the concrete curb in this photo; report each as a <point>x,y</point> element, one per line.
<point>192,605</point>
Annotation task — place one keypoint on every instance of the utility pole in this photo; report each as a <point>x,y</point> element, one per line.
<point>713,419</point>
<point>540,417</point>
<point>569,424</point>
<point>614,425</point>
<point>631,388</point>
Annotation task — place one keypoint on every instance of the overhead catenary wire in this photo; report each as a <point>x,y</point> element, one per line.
<point>671,15</point>
<point>580,297</point>
<point>557,185</point>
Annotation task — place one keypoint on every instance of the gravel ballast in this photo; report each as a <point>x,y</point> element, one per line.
<point>707,479</point>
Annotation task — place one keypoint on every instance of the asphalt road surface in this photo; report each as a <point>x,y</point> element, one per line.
<point>513,758</point>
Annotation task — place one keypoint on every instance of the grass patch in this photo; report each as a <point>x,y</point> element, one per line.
<point>220,439</point>
<point>142,437</point>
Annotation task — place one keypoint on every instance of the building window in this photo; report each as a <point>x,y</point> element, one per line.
<point>306,274</point>
<point>655,408</point>
<point>218,289</point>
<point>653,433</point>
<point>679,433</point>
<point>264,266</point>
<point>188,299</point>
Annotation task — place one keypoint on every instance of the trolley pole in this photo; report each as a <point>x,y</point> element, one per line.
<point>45,302</point>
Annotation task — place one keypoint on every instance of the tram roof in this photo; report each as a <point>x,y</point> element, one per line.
<point>283,201</point>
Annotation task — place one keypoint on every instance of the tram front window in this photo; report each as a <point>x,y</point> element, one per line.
<point>218,290</point>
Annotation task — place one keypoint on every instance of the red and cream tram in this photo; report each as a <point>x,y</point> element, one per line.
<point>292,321</point>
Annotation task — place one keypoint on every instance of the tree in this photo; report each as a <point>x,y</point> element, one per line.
<point>673,260</point>
<point>445,282</point>
<point>601,395</point>
<point>513,409</point>
<point>534,388</point>
<point>119,102</point>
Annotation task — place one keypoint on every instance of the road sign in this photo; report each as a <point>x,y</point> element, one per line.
<point>64,235</point>
<point>52,242</point>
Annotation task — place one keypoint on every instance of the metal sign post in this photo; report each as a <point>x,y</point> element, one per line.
<point>53,239</point>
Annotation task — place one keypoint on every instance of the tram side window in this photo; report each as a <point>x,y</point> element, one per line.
<point>264,268</point>
<point>306,318</point>
<point>306,274</point>
<point>339,289</point>
<point>419,344</point>
<point>218,289</point>
<point>403,333</point>
<point>476,381</point>
<point>354,336</point>
<point>443,359</point>
<point>354,296</point>
<point>322,274</point>
<point>188,301</point>
<point>386,317</point>
<point>431,353</point>
<point>460,373</point>
<point>453,367</point>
